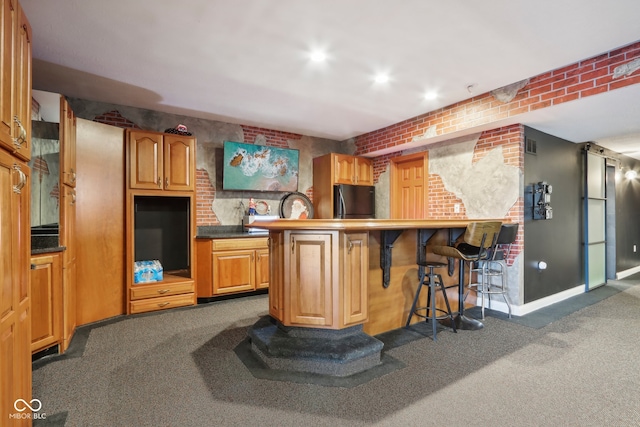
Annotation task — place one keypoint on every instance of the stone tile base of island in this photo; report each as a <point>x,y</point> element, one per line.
<point>340,353</point>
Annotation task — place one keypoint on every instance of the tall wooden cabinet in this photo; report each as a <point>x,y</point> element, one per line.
<point>332,169</point>
<point>161,190</point>
<point>15,221</point>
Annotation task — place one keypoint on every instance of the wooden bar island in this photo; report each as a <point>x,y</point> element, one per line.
<point>331,277</point>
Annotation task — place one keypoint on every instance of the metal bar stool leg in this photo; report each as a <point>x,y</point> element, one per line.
<point>415,299</point>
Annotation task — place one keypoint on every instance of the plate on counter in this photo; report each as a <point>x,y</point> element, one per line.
<point>296,206</point>
<point>262,207</point>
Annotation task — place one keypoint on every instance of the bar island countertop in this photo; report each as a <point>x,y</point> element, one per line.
<point>333,273</point>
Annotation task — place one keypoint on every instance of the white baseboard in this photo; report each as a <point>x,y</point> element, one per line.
<point>498,304</point>
<point>627,273</point>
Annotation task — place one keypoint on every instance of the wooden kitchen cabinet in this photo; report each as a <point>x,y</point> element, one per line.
<point>160,161</point>
<point>15,293</point>
<point>68,144</point>
<point>351,169</point>
<point>15,84</point>
<point>332,169</point>
<point>46,301</point>
<point>227,266</point>
<point>172,292</point>
<point>69,266</point>
<point>15,205</point>
<point>160,207</point>
<point>319,279</point>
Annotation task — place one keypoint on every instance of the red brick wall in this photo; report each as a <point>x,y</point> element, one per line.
<point>274,138</point>
<point>205,195</point>
<point>582,79</point>
<point>114,118</point>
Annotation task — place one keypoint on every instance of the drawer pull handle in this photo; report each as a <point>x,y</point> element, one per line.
<point>163,304</point>
<point>163,291</point>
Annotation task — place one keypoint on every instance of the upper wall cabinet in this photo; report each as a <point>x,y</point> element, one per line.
<point>332,169</point>
<point>15,83</point>
<point>160,161</point>
<point>352,170</point>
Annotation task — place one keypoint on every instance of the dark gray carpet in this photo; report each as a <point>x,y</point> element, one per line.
<point>181,368</point>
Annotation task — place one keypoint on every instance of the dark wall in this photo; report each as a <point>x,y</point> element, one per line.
<point>627,216</point>
<point>556,241</point>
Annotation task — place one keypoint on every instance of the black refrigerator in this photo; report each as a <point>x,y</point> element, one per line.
<point>354,201</point>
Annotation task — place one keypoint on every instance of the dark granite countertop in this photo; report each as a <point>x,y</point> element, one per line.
<point>38,251</point>
<point>225,232</point>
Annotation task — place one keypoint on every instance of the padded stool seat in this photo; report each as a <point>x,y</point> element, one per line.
<point>434,281</point>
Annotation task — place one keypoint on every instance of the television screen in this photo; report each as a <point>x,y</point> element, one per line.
<point>259,167</point>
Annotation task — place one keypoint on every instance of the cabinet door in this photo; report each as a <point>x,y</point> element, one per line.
<point>355,273</point>
<point>276,275</point>
<point>7,30</point>
<point>343,169</point>
<point>179,162</point>
<point>364,171</point>
<point>262,268</point>
<point>46,301</point>
<point>310,267</point>
<point>68,143</point>
<point>233,271</point>
<point>15,302</point>
<point>145,160</point>
<point>22,87</point>
<point>68,239</point>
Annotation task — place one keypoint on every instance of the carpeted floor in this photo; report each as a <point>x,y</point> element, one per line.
<point>182,368</point>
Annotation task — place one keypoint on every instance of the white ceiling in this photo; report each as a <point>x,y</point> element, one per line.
<point>247,61</point>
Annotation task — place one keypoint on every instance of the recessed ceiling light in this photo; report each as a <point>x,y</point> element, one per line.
<point>381,78</point>
<point>430,95</point>
<point>318,56</point>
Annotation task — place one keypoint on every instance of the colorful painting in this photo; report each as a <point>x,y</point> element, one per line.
<point>259,167</point>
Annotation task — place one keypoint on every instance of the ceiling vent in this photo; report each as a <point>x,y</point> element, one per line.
<point>530,146</point>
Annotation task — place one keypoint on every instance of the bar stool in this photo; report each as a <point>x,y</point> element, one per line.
<point>434,281</point>
<point>478,242</point>
<point>496,266</point>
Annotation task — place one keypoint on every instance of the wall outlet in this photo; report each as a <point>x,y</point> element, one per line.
<point>456,209</point>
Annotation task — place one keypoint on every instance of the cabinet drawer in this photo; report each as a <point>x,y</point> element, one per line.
<point>241,243</point>
<point>161,303</point>
<point>160,289</point>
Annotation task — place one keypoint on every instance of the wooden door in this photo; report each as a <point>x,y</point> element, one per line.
<point>7,25</point>
<point>355,274</point>
<point>309,275</point>
<point>343,169</point>
<point>179,162</point>
<point>46,301</point>
<point>409,184</point>
<point>233,271</point>
<point>364,171</point>
<point>262,268</point>
<point>145,160</point>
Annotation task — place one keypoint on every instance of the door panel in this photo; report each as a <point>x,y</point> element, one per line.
<point>409,187</point>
